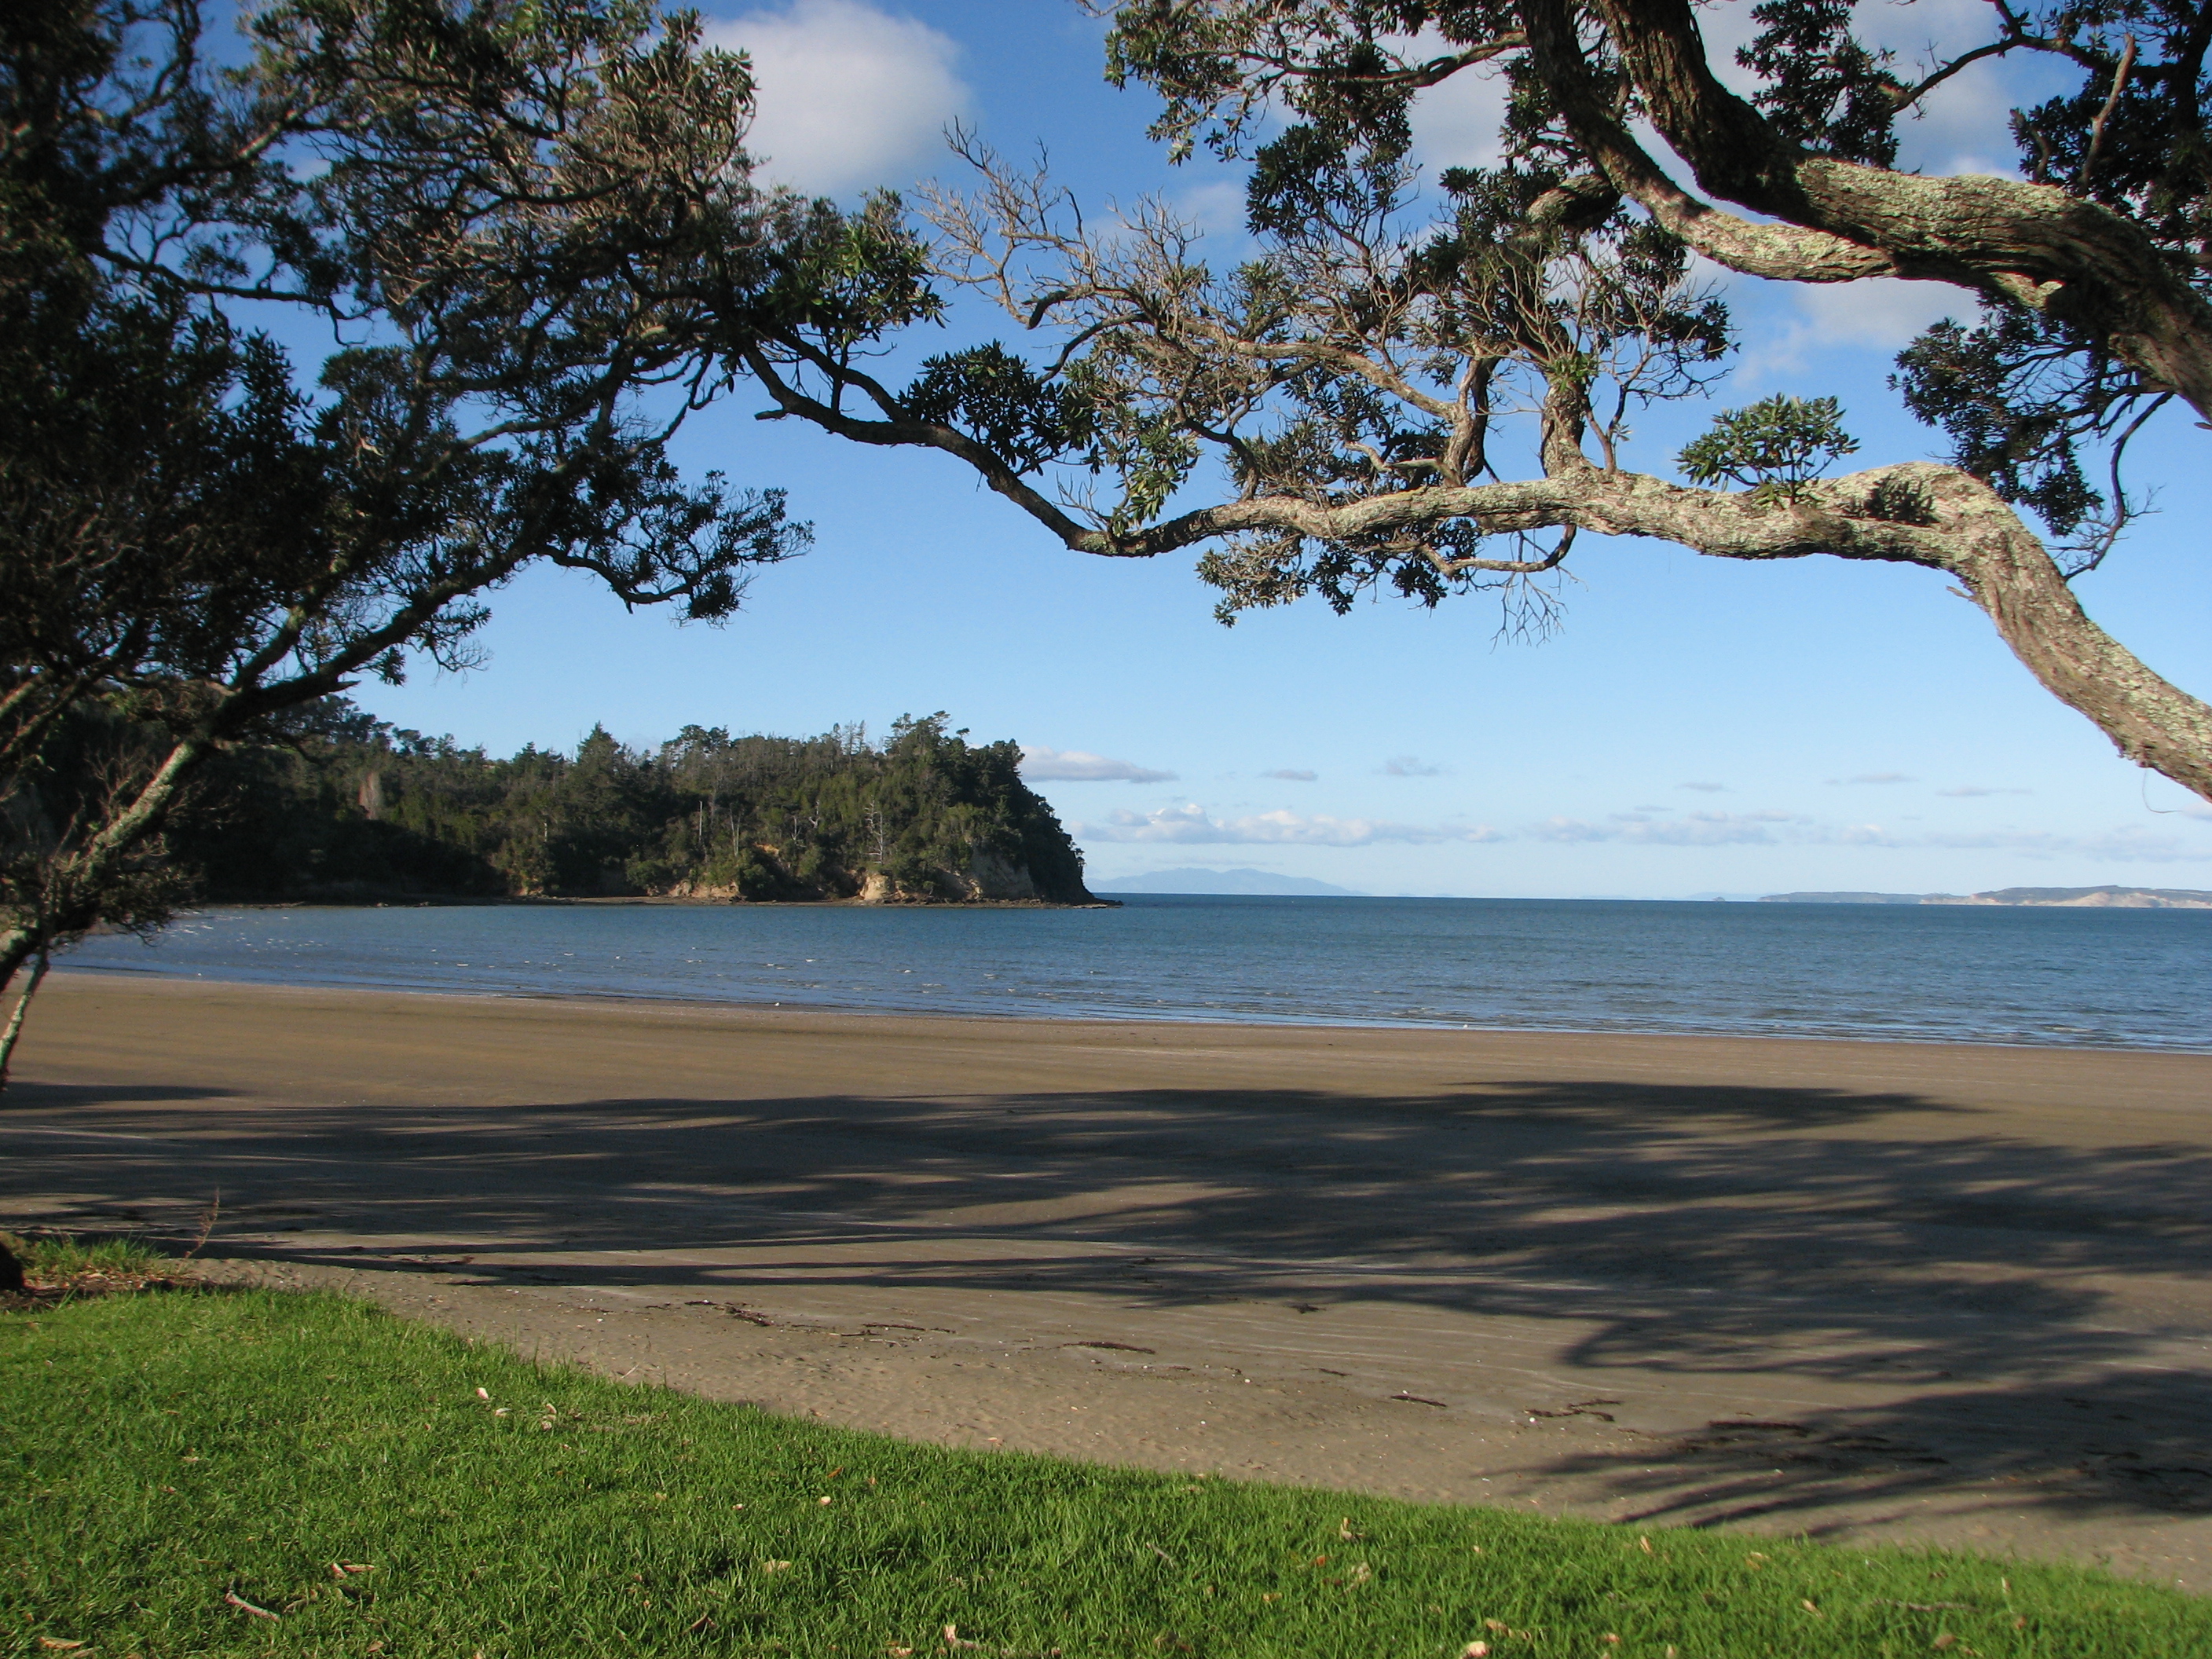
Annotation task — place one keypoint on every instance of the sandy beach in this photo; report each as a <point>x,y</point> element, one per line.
<point>1853,1290</point>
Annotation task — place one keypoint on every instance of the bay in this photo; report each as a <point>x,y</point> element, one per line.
<point>2135,979</point>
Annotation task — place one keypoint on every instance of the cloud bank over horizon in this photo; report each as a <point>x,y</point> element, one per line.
<point>2128,844</point>
<point>1192,824</point>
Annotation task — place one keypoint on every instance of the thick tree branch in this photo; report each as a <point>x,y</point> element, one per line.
<point>1782,252</point>
<point>1945,520</point>
<point>2035,244</point>
<point>1722,523</point>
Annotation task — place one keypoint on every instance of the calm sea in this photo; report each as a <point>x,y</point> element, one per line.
<point>2138,979</point>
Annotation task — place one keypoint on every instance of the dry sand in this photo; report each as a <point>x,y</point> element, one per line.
<point>1852,1290</point>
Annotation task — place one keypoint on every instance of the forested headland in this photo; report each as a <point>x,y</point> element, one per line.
<point>347,807</point>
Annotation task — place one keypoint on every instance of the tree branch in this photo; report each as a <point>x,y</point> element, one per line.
<point>901,431</point>
<point>2034,245</point>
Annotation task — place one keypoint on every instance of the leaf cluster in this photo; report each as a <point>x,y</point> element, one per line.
<point>1774,448</point>
<point>998,399</point>
<point>1819,85</point>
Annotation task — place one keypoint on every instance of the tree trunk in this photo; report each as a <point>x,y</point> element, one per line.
<point>77,880</point>
<point>8,1038</point>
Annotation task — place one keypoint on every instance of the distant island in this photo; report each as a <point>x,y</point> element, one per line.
<point>2079,898</point>
<point>347,809</point>
<point>1250,883</point>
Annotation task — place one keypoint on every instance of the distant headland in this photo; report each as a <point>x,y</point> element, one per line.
<point>2075,898</point>
<point>345,809</point>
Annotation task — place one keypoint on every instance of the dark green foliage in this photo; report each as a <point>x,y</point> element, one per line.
<point>1305,179</point>
<point>87,753</point>
<point>1822,89</point>
<point>1899,500</point>
<point>1774,448</point>
<point>1002,402</point>
<point>2020,396</point>
<point>351,808</point>
<point>1220,65</point>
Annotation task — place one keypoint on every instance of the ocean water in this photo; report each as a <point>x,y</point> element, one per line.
<point>2136,979</point>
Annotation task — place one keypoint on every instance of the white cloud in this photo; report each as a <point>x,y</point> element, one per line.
<point>1043,765</point>
<point>1408,766</point>
<point>1881,313</point>
<point>1974,791</point>
<point>1885,312</point>
<point>849,96</point>
<point>1875,777</point>
<point>1962,126</point>
<point>1706,789</point>
<point>1192,824</point>
<point>1215,207</point>
<point>1291,774</point>
<point>1456,124</point>
<point>2126,845</point>
<point>1697,830</point>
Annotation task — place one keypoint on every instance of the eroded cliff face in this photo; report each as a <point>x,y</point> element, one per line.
<point>2097,898</point>
<point>995,878</point>
<point>701,891</point>
<point>989,878</point>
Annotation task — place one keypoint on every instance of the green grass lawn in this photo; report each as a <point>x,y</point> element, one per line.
<point>258,1473</point>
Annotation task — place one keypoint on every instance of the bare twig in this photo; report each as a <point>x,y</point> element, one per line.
<point>2097,131</point>
<point>207,1226</point>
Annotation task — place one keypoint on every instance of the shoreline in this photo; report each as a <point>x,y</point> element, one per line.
<point>1907,1291</point>
<point>490,901</point>
<point>1242,1020</point>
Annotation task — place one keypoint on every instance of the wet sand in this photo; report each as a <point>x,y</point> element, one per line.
<point>1890,1291</point>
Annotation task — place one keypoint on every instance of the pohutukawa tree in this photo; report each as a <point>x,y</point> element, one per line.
<point>1427,388</point>
<point>504,215</point>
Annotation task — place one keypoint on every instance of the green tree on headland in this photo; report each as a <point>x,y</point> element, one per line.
<point>348,808</point>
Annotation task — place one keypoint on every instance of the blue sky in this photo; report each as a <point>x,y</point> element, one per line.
<point>1697,727</point>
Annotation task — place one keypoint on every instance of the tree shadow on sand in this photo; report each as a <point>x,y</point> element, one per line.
<point>1876,1239</point>
<point>2118,1445</point>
